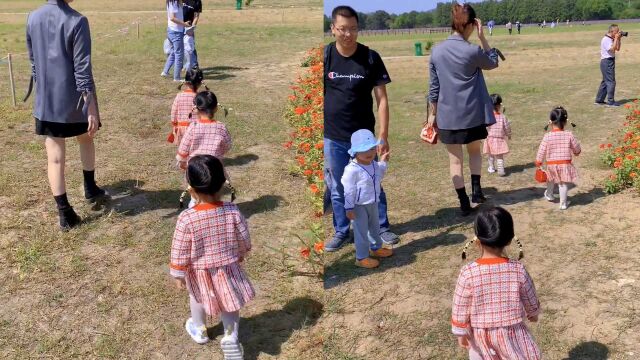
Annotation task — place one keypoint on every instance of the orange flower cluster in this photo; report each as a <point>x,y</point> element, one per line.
<point>305,115</point>
<point>624,157</point>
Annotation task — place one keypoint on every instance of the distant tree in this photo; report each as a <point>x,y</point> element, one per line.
<point>379,20</point>
<point>327,23</point>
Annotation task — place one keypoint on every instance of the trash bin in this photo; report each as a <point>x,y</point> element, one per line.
<point>238,4</point>
<point>418,49</point>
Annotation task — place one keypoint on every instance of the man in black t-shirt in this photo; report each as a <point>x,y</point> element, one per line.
<point>191,12</point>
<point>352,73</point>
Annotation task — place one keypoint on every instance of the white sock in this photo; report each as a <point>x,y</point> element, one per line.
<point>490,162</point>
<point>500,166</point>
<point>230,322</point>
<point>563,189</point>
<point>198,315</point>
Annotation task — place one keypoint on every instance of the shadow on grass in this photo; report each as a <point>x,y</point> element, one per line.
<point>442,218</point>
<point>240,160</point>
<point>625,101</point>
<point>343,270</point>
<point>220,72</point>
<point>590,350</point>
<point>518,168</point>
<point>129,199</point>
<point>513,197</point>
<point>266,332</point>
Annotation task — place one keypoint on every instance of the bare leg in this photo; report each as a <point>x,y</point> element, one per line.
<point>475,157</point>
<point>87,152</point>
<point>456,158</point>
<point>55,164</point>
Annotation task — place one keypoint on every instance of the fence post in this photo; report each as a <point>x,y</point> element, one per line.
<point>13,85</point>
<point>138,29</point>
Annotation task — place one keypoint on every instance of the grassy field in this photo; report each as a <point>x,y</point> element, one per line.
<point>582,260</point>
<point>102,290</point>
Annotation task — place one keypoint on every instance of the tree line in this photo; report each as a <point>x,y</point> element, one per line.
<point>503,11</point>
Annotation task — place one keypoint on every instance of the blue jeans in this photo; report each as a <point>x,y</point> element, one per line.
<point>194,62</point>
<point>176,55</point>
<point>190,60</point>
<point>608,85</point>
<point>336,158</point>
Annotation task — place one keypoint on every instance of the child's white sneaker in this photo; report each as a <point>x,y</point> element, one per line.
<point>491,169</point>
<point>197,333</point>
<point>549,197</point>
<point>164,74</point>
<point>564,206</point>
<point>231,348</point>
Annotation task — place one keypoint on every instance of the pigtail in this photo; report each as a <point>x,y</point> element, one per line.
<point>180,86</point>
<point>520,250</point>
<point>182,196</point>
<point>466,246</point>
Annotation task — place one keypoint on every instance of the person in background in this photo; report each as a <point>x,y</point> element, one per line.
<point>191,12</point>
<point>609,44</point>
<point>175,34</point>
<point>509,27</point>
<point>518,26</point>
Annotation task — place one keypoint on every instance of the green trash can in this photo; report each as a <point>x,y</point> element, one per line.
<point>238,4</point>
<point>418,49</point>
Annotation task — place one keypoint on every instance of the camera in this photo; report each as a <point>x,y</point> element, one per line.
<point>624,33</point>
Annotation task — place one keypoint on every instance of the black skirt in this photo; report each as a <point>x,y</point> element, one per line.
<point>463,136</point>
<point>60,130</point>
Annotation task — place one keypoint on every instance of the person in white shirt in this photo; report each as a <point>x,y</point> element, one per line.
<point>175,33</point>
<point>608,46</point>
<point>189,48</point>
<point>362,179</point>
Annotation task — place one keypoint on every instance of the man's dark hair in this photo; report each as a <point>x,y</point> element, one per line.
<point>343,10</point>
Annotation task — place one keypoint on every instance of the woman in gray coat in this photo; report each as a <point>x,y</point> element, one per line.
<point>459,98</point>
<point>59,46</point>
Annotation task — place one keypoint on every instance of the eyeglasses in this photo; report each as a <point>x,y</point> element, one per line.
<point>344,31</point>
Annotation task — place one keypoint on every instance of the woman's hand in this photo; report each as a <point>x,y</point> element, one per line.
<point>479,28</point>
<point>463,341</point>
<point>93,116</point>
<point>384,157</point>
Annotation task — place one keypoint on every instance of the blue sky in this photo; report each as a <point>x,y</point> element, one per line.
<point>390,6</point>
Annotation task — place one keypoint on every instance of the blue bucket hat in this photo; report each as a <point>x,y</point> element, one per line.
<point>363,140</point>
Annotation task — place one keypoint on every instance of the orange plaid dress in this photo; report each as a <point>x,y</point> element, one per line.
<point>209,242</point>
<point>180,110</point>
<point>558,148</point>
<point>492,299</point>
<point>496,142</point>
<point>204,137</point>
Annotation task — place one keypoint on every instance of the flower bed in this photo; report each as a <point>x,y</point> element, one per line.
<point>624,154</point>
<point>304,113</point>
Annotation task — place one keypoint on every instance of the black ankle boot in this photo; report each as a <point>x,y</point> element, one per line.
<point>91,191</point>
<point>68,218</point>
<point>476,190</point>
<point>465,205</point>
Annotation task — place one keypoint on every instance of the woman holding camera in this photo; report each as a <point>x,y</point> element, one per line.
<point>459,99</point>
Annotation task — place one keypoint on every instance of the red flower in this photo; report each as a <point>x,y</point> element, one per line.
<point>629,157</point>
<point>609,145</point>
<point>320,145</point>
<point>632,174</point>
<point>305,252</point>
<point>305,147</point>
<point>300,110</point>
<point>601,146</point>
<point>308,172</point>
<point>288,144</point>
<point>301,161</point>
<point>292,98</point>
<point>314,188</point>
<point>627,106</point>
<point>319,247</point>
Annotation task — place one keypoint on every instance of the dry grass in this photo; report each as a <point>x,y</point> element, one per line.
<point>582,260</point>
<point>102,290</point>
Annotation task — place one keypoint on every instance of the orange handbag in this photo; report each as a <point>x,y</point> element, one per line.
<point>429,133</point>
<point>541,175</point>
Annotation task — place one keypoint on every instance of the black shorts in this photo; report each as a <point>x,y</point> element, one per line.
<point>463,136</point>
<point>60,130</point>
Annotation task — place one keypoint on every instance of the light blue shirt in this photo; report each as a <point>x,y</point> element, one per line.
<point>362,183</point>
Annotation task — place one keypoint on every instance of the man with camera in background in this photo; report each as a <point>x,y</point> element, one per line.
<point>608,46</point>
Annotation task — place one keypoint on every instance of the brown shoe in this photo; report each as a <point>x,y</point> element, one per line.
<point>381,253</point>
<point>367,263</point>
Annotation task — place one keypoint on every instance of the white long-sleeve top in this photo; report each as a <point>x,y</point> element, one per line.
<point>189,44</point>
<point>362,183</point>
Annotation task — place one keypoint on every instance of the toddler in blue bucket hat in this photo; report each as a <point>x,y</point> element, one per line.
<point>361,181</point>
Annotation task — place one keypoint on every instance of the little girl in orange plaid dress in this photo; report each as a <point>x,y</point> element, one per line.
<point>558,148</point>
<point>182,108</point>
<point>209,244</point>
<point>496,143</point>
<point>494,295</point>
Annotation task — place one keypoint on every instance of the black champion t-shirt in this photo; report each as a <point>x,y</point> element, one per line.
<point>348,100</point>
<point>189,9</point>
